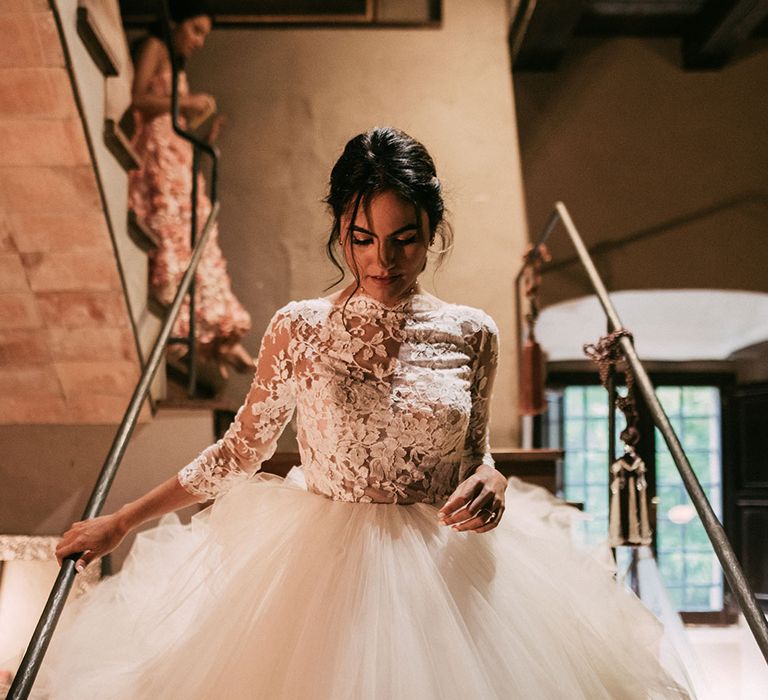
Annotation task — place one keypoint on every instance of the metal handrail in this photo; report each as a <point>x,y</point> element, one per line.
<point>41,637</point>
<point>33,657</point>
<point>725,554</point>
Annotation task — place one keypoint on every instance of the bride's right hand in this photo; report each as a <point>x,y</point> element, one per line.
<point>93,538</point>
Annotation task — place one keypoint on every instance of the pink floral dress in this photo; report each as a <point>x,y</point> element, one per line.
<point>160,195</point>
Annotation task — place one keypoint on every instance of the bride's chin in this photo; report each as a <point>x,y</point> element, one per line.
<point>387,292</point>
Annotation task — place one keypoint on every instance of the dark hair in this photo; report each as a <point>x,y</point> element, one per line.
<point>385,159</point>
<point>180,10</point>
<point>186,9</point>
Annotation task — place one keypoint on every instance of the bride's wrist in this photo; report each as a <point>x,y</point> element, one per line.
<point>125,519</point>
<point>488,469</point>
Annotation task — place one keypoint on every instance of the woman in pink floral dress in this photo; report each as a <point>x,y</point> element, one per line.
<point>160,195</point>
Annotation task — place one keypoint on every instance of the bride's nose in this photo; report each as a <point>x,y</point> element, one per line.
<point>385,254</point>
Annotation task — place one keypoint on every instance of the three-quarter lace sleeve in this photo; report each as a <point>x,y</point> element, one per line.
<point>477,446</point>
<point>252,437</point>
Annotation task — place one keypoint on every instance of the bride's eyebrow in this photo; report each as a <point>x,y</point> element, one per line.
<point>402,229</point>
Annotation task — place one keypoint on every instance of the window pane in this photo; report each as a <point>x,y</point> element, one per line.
<point>586,457</point>
<point>574,434</point>
<point>597,435</point>
<point>670,398</point>
<point>597,467</point>
<point>697,433</point>
<point>574,401</point>
<point>596,401</point>
<point>686,560</point>
<point>666,470</point>
<point>700,401</point>
<point>670,534</point>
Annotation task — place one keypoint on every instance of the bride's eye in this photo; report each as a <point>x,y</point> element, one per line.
<point>406,241</point>
<point>361,241</point>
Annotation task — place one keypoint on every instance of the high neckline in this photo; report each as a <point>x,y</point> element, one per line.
<point>413,302</point>
<point>403,303</point>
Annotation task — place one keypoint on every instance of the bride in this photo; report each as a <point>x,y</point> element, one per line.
<point>385,567</point>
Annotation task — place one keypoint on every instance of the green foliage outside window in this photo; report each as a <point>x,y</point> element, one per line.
<point>687,563</point>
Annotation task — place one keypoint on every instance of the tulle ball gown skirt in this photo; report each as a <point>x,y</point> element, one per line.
<point>276,592</point>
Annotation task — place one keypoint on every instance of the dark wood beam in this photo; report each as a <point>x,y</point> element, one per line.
<point>714,36</point>
<point>540,32</point>
<point>301,13</point>
<point>638,17</point>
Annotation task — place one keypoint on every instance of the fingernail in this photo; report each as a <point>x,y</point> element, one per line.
<point>79,567</point>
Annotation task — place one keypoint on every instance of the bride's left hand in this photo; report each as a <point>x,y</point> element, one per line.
<point>477,504</point>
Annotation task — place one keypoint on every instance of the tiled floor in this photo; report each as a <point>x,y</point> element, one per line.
<point>731,662</point>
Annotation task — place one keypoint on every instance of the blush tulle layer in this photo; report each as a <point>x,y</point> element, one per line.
<point>276,592</point>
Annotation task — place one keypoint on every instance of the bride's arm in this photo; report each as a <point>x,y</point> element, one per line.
<point>477,503</point>
<point>249,441</point>
<point>97,537</point>
<point>252,437</point>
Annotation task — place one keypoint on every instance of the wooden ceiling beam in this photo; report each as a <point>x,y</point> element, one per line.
<point>540,32</point>
<point>714,36</point>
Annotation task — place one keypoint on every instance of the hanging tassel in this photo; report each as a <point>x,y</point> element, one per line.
<point>615,538</point>
<point>628,522</point>
<point>634,531</point>
<point>531,401</point>
<point>646,534</point>
<point>532,377</point>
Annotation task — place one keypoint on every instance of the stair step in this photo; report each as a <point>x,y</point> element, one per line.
<point>120,146</point>
<point>141,234</point>
<point>156,307</point>
<point>192,404</point>
<point>210,383</point>
<point>96,43</point>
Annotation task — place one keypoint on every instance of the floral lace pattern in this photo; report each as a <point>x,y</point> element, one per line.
<point>392,402</point>
<point>160,194</point>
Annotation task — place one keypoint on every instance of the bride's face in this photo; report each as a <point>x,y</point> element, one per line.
<point>386,247</point>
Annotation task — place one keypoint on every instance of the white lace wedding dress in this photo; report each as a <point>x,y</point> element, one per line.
<point>342,585</point>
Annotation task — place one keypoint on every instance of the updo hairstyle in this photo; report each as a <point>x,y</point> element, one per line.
<point>379,160</point>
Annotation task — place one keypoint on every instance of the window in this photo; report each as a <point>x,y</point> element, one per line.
<point>585,468</point>
<point>577,421</point>
<point>688,566</point>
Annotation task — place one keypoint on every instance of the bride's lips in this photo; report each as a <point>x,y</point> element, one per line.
<point>384,279</point>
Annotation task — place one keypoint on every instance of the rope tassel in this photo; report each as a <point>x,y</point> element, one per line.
<point>628,522</point>
<point>531,400</point>
<point>532,379</point>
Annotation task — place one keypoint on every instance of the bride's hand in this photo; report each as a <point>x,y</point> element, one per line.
<point>477,504</point>
<point>93,538</point>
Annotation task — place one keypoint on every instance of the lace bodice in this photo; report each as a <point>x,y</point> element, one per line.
<point>391,402</point>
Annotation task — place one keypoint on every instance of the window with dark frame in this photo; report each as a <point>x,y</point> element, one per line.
<point>576,420</point>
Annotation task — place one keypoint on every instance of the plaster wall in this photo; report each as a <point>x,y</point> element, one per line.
<point>670,164</point>
<point>47,471</point>
<point>293,97</point>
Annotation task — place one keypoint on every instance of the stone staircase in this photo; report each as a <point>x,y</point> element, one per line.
<point>75,317</point>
